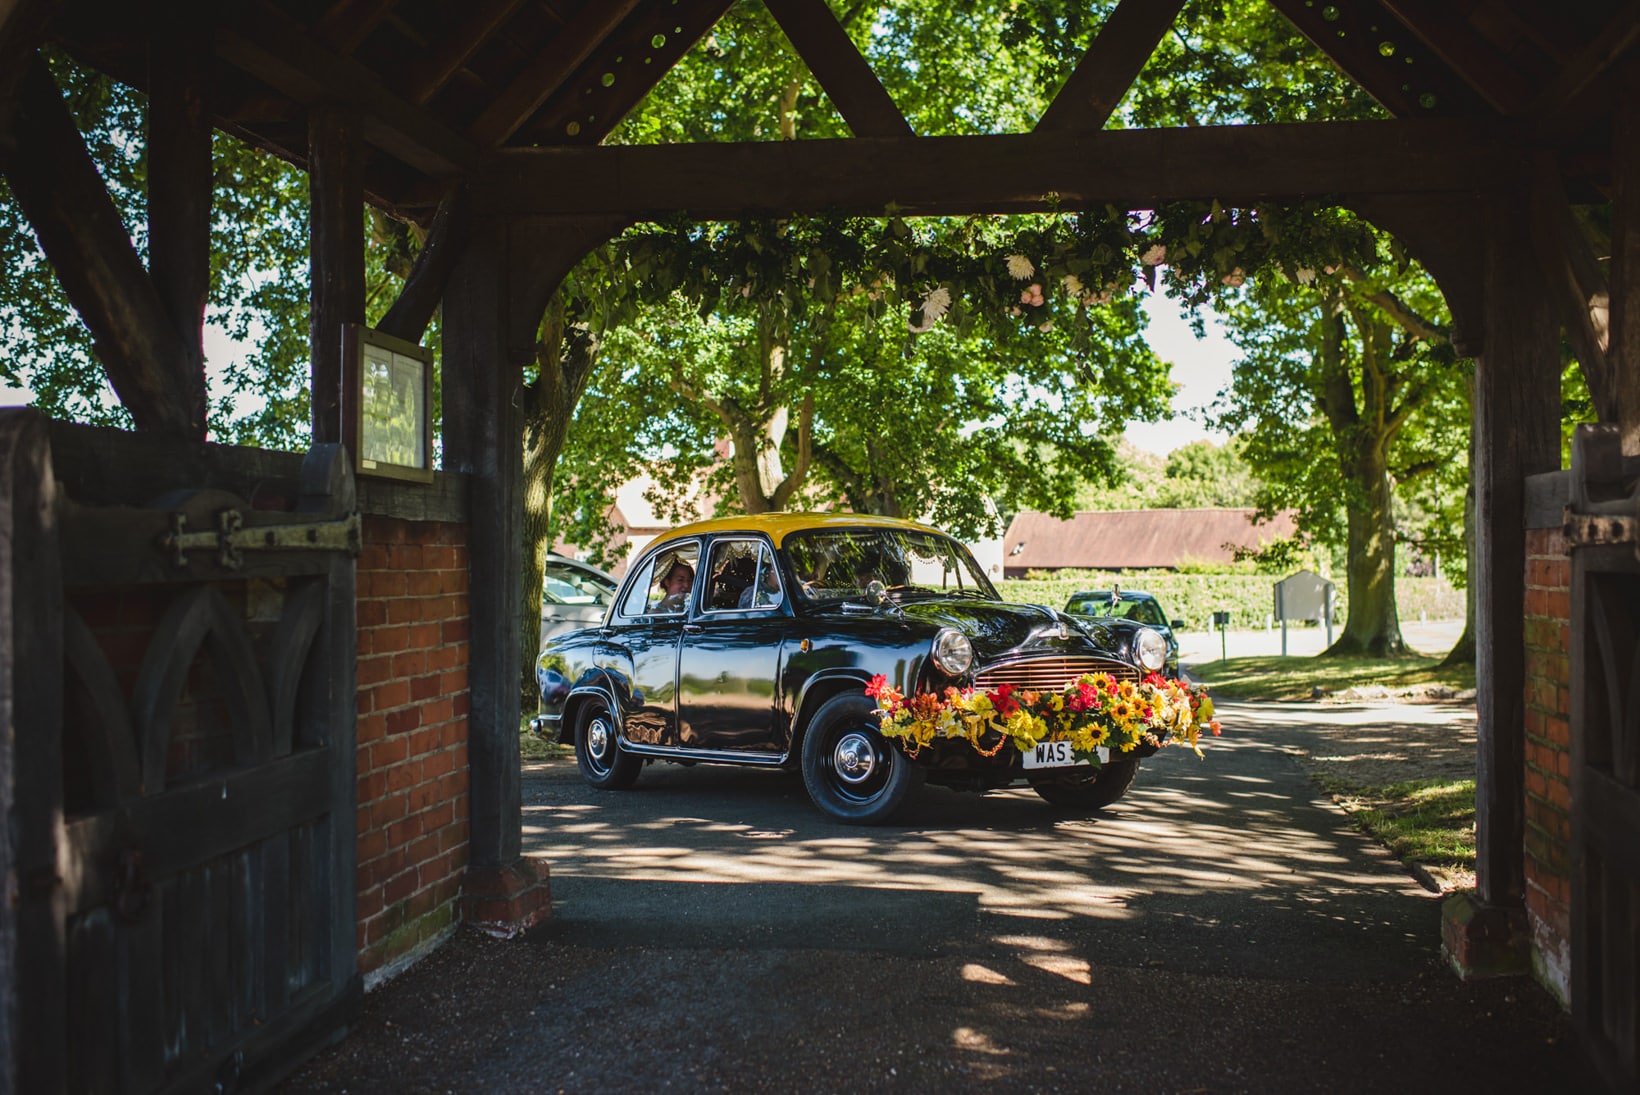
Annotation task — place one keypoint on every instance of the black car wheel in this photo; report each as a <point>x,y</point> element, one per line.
<point>1087,793</point>
<point>851,771</point>
<point>598,753</point>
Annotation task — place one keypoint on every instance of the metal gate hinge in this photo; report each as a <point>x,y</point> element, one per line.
<point>232,539</point>
<point>1586,529</point>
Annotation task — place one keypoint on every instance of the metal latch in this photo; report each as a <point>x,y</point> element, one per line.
<point>232,539</point>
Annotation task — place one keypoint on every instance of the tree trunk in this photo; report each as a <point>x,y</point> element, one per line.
<point>565,360</point>
<point>1373,627</point>
<point>1464,652</point>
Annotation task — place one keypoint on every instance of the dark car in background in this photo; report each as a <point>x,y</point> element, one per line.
<point>573,595</point>
<point>789,619</point>
<point>1136,605</point>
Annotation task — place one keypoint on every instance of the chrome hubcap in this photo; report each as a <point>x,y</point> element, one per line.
<point>854,758</point>
<point>598,739</point>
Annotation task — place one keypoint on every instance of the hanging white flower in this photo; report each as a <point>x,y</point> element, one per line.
<point>1304,275</point>
<point>1020,267</point>
<point>1155,256</point>
<point>1072,284</point>
<point>936,303</point>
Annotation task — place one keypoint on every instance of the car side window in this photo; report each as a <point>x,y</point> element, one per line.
<point>743,576</point>
<point>666,583</point>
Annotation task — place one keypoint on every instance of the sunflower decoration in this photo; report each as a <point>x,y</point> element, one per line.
<point>1093,711</point>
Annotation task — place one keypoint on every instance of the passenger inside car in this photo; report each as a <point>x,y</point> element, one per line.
<point>675,583</point>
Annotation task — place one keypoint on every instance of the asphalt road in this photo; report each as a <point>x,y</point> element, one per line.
<point>1223,928</point>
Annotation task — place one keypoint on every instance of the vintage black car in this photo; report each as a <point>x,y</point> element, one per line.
<point>753,640</point>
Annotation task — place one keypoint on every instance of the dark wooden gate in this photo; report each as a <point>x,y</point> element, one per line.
<point>1603,527</point>
<point>185,770</point>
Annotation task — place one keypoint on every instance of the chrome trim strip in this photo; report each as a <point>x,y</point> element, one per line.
<point>710,756</point>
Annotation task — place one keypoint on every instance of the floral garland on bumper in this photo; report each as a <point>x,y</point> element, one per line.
<point>1093,711</point>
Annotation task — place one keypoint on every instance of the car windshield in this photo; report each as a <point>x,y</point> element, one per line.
<point>1142,609</point>
<point>841,564</point>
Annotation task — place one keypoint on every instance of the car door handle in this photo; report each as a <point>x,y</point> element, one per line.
<point>692,629</point>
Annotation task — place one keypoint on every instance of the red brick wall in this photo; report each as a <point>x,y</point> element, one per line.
<point>413,704</point>
<point>1549,756</point>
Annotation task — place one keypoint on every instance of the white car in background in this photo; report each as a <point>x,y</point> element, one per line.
<point>573,595</point>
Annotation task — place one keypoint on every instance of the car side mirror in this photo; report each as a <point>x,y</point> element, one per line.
<point>876,592</point>
<point>1176,625</point>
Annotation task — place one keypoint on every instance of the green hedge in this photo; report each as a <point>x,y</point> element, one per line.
<point>1249,598</point>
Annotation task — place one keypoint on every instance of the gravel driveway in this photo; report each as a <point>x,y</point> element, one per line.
<point>1221,929</point>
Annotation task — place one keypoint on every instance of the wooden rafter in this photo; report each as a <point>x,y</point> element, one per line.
<point>266,44</point>
<point>22,27</point>
<point>347,23</point>
<point>624,69</point>
<point>1568,94</point>
<point>1574,276</point>
<point>1009,173</point>
<point>1451,37</point>
<point>57,185</point>
<point>1113,61</point>
<point>847,78</point>
<point>446,56</point>
<point>1408,79</point>
<point>548,71</point>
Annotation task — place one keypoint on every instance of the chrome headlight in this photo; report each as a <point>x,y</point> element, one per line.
<point>1150,648</point>
<point>953,654</point>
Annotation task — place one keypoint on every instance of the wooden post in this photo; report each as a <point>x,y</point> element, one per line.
<point>1624,352</point>
<point>493,306</point>
<point>1517,434</point>
<point>483,440</point>
<point>179,188</point>
<point>336,196</point>
<point>33,1040</point>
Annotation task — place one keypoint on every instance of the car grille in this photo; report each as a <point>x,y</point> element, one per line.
<point>1052,674</point>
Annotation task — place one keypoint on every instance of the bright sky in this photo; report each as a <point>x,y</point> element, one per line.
<point>1201,368</point>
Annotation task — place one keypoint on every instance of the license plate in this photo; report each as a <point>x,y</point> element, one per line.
<point>1058,754</point>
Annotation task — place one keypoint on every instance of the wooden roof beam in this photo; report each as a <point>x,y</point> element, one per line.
<point>1038,172</point>
<point>446,56</point>
<point>267,45</point>
<point>1347,37</point>
<point>569,49</point>
<point>589,109</point>
<point>845,75</point>
<point>1113,61</point>
<point>347,23</point>
<point>1454,41</point>
<point>1568,95</point>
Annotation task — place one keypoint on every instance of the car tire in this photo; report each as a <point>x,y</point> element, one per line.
<point>852,772</point>
<point>598,753</point>
<point>1086,794</point>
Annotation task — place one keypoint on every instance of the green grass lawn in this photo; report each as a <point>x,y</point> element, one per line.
<point>1274,677</point>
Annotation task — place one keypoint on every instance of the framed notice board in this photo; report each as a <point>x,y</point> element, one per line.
<point>387,405</point>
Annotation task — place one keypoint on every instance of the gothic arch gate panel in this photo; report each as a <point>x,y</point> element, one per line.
<point>186,771</point>
<point>1603,528</point>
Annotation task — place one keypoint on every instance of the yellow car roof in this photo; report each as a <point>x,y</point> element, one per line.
<point>777,526</point>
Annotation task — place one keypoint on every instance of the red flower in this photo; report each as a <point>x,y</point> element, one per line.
<point>1002,698</point>
<point>876,687</point>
